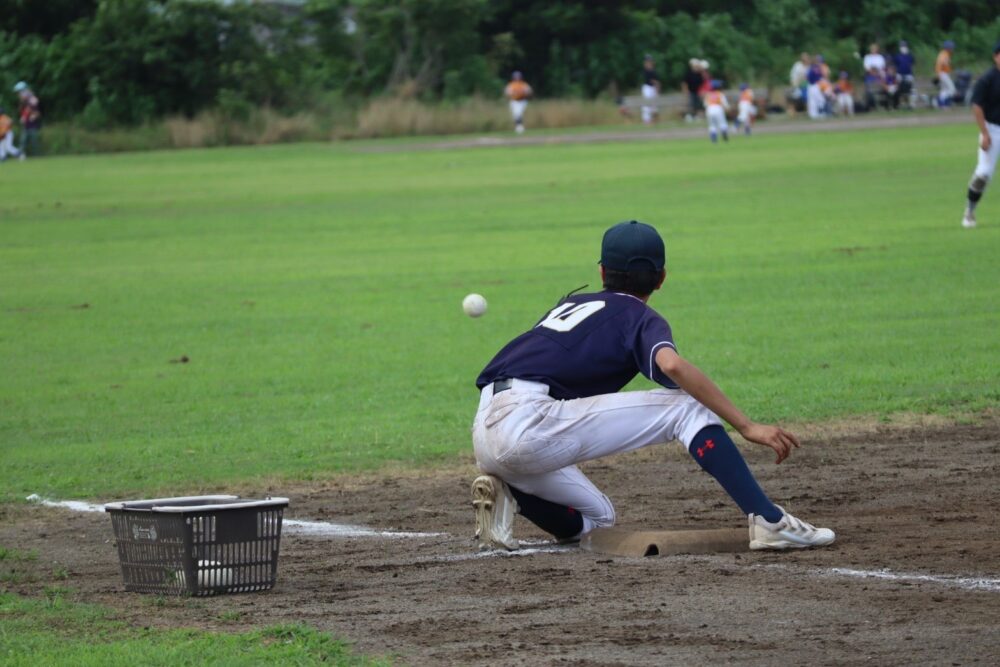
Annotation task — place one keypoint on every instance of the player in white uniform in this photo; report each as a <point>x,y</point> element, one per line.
<point>518,92</point>
<point>551,398</point>
<point>747,109</point>
<point>650,90</point>
<point>986,110</point>
<point>716,107</point>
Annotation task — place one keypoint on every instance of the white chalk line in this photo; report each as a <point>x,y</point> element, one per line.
<point>991,584</point>
<point>324,529</point>
<point>299,526</point>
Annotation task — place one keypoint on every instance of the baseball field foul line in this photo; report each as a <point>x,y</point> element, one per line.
<point>319,528</point>
<point>324,529</point>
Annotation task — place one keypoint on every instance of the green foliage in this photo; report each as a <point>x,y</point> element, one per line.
<point>109,62</point>
<point>315,290</point>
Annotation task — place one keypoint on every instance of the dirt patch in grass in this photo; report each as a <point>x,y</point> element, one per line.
<point>913,498</point>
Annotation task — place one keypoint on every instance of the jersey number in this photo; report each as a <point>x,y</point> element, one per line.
<point>566,316</point>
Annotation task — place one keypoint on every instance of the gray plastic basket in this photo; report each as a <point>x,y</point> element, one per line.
<point>198,545</point>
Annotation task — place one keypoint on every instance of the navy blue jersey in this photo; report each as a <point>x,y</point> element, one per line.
<point>589,344</point>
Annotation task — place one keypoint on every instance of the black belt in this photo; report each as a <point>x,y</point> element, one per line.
<point>502,385</point>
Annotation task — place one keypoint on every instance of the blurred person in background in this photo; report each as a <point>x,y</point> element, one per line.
<point>844,91</point>
<point>747,109</point>
<point>30,114</point>
<point>518,92</point>
<point>650,90</point>
<point>7,137</point>
<point>716,107</point>
<point>693,81</point>
<point>893,87</point>
<point>797,80</point>
<point>874,64</point>
<point>815,101</point>
<point>904,67</point>
<point>942,70</point>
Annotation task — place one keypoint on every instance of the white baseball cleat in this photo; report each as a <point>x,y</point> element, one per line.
<point>969,219</point>
<point>495,510</point>
<point>788,533</point>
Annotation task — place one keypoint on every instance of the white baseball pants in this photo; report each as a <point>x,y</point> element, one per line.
<point>987,162</point>
<point>947,88</point>
<point>815,101</point>
<point>845,104</point>
<point>716,117</point>
<point>747,111</point>
<point>7,146</point>
<point>649,93</point>
<point>517,108</point>
<point>532,441</point>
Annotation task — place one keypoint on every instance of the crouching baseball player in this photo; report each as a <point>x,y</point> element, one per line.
<point>551,399</point>
<point>986,110</point>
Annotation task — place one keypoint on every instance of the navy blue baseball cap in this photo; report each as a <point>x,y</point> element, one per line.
<point>996,48</point>
<point>632,246</point>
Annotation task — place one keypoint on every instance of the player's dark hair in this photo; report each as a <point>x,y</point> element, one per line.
<point>638,283</point>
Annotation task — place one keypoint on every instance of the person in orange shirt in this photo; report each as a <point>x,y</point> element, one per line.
<point>715,111</point>
<point>747,109</point>
<point>844,91</point>
<point>7,137</point>
<point>942,69</point>
<point>518,92</point>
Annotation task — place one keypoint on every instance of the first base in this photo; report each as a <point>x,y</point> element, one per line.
<point>621,542</point>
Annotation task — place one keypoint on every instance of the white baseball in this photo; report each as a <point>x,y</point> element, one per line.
<point>474,305</point>
<point>216,576</point>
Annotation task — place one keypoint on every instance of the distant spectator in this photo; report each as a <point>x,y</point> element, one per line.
<point>904,67</point>
<point>7,137</point>
<point>650,89</point>
<point>815,101</point>
<point>797,80</point>
<point>892,87</point>
<point>518,92</point>
<point>706,77</point>
<point>823,67</point>
<point>874,61</point>
<point>874,64</point>
<point>844,91</point>
<point>942,70</point>
<point>747,109</point>
<point>693,81</point>
<point>30,114</point>
<point>716,107</point>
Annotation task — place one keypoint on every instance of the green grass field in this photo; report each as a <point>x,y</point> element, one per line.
<point>56,631</point>
<point>316,292</point>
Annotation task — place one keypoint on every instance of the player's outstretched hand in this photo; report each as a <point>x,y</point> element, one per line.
<point>985,141</point>
<point>778,439</point>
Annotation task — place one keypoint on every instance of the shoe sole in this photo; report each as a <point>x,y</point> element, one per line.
<point>784,545</point>
<point>484,500</point>
<point>484,496</point>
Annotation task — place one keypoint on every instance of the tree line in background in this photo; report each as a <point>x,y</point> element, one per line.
<point>107,62</point>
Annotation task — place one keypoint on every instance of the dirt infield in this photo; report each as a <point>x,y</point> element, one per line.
<point>913,578</point>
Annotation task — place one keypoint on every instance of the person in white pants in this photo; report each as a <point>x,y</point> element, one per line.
<point>986,111</point>
<point>942,69</point>
<point>7,137</point>
<point>650,90</point>
<point>716,107</point>
<point>518,92</point>
<point>845,95</point>
<point>551,399</point>
<point>746,108</point>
